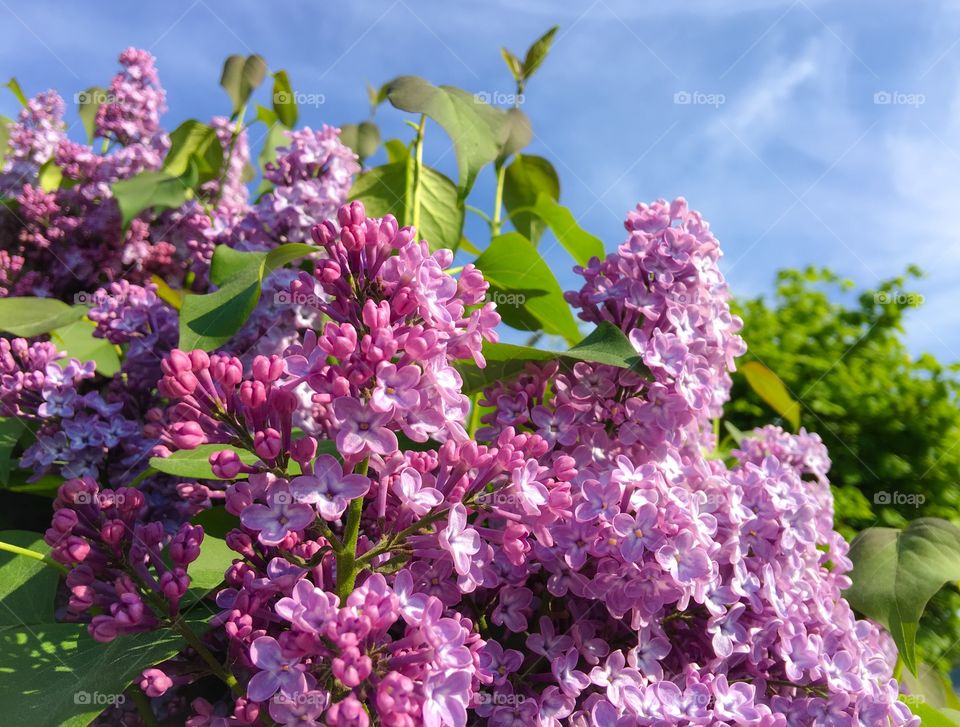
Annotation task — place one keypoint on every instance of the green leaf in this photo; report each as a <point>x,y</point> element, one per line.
<point>771,389</point>
<point>46,485</point>
<point>475,128</point>
<point>396,150</point>
<point>895,573</point>
<point>34,316</point>
<point>89,103</point>
<point>514,64</point>
<point>14,85</point>
<point>518,133</point>
<point>929,686</point>
<point>206,572</point>
<point>931,717</point>
<point>157,190</point>
<point>525,180</point>
<point>5,122</point>
<point>376,96</point>
<point>527,294</point>
<point>538,53</point>
<point>173,298</point>
<point>578,242</point>
<point>77,341</point>
<point>363,138</point>
<point>56,675</point>
<point>241,76</point>
<point>49,176</point>
<point>284,100</point>
<point>195,141</point>
<point>382,191</point>
<point>208,321</point>
<point>606,345</point>
<point>228,262</point>
<point>195,463</point>
<point>216,521</point>
<point>735,434</point>
<point>276,137</point>
<point>11,429</point>
<point>28,587</point>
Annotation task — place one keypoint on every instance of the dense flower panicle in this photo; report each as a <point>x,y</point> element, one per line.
<point>34,138</point>
<point>586,558</point>
<point>117,568</point>
<point>80,433</point>
<point>397,321</point>
<point>131,113</point>
<point>312,176</point>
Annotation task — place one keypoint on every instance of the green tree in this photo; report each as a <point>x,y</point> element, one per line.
<point>890,420</point>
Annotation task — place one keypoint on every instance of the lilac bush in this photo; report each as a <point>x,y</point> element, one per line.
<point>347,503</point>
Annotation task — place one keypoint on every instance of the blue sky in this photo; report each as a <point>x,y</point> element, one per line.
<point>817,132</point>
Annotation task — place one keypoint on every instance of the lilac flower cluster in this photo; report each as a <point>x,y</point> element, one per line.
<point>589,564</point>
<point>311,178</point>
<point>71,239</point>
<point>117,566</point>
<point>79,434</point>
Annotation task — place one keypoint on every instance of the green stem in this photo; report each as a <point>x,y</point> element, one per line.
<point>27,553</point>
<point>418,172</point>
<point>498,200</point>
<point>218,669</point>
<point>347,555</point>
<point>142,703</point>
<point>474,415</point>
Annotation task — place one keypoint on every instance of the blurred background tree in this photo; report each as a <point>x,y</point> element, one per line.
<point>890,420</point>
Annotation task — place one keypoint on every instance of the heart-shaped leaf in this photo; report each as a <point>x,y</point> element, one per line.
<point>896,572</point>
<point>527,294</point>
<point>34,316</point>
<point>475,127</point>
<point>606,345</point>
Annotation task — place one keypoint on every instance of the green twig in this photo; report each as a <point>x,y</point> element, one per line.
<point>142,703</point>
<point>27,553</point>
<point>418,172</point>
<point>347,555</point>
<point>498,200</point>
